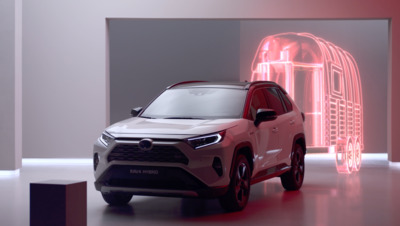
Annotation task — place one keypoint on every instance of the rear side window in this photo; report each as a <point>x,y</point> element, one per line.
<point>286,101</point>
<point>274,101</point>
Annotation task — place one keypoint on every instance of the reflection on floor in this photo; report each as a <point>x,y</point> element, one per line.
<point>369,197</point>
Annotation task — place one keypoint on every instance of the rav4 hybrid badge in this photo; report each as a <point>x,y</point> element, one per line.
<point>146,144</point>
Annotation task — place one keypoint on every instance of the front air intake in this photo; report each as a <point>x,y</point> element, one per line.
<point>217,166</point>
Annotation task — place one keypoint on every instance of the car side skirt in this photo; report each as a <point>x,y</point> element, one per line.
<point>266,174</point>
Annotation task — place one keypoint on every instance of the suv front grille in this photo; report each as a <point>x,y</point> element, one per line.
<point>159,153</point>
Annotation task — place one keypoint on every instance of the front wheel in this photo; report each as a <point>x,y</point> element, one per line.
<point>293,179</point>
<point>117,198</point>
<point>239,188</point>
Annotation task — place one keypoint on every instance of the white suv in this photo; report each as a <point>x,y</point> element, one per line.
<point>201,139</point>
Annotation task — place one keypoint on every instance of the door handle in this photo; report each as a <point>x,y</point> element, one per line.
<point>291,122</point>
<point>275,130</point>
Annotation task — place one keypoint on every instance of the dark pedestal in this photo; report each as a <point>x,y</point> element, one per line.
<point>58,202</point>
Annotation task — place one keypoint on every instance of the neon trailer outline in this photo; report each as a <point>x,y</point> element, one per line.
<point>324,81</point>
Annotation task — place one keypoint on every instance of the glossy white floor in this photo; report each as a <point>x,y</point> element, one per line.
<point>369,197</point>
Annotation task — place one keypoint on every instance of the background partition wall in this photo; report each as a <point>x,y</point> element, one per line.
<point>148,55</point>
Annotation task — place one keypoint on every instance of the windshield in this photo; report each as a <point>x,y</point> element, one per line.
<point>197,103</point>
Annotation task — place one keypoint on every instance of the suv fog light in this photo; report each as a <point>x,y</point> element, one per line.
<point>96,160</point>
<point>217,166</point>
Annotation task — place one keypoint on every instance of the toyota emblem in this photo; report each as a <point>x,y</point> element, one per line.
<point>146,144</point>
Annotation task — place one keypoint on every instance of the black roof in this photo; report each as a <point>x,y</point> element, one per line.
<point>229,85</point>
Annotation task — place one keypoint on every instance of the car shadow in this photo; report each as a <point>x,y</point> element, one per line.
<point>264,197</point>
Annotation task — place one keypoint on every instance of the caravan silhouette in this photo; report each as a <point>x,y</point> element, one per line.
<point>324,81</point>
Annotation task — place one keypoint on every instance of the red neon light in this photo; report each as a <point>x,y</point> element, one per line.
<point>324,81</point>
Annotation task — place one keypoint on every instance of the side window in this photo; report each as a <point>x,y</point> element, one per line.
<point>257,101</point>
<point>336,81</point>
<point>274,101</point>
<point>286,101</point>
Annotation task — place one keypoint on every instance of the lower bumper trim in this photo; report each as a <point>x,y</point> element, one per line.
<point>150,192</point>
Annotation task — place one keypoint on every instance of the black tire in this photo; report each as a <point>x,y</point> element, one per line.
<point>293,179</point>
<point>239,188</point>
<point>117,198</point>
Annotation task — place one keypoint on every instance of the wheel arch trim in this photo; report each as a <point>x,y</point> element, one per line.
<point>247,149</point>
<point>300,138</point>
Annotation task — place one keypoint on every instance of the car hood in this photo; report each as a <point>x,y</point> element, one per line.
<point>168,128</point>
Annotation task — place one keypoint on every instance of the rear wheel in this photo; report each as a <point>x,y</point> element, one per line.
<point>350,155</point>
<point>117,198</point>
<point>342,156</point>
<point>357,156</point>
<point>239,188</point>
<point>293,179</point>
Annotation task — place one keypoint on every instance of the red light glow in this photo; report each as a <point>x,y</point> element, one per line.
<point>324,81</point>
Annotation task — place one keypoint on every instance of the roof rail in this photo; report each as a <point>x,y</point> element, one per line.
<point>181,83</point>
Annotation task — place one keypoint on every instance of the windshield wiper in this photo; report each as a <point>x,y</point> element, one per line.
<point>183,118</point>
<point>146,117</point>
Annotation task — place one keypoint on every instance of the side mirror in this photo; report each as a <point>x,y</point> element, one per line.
<point>264,115</point>
<point>135,111</point>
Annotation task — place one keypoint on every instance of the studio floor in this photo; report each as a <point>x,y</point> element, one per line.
<point>369,197</point>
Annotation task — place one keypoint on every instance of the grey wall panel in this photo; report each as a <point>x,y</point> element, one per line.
<point>10,99</point>
<point>148,55</point>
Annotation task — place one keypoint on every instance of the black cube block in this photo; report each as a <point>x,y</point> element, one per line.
<point>58,202</point>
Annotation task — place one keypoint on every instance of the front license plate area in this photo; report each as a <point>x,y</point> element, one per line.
<point>151,177</point>
<point>146,172</point>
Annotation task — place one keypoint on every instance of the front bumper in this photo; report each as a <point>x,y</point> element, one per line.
<point>157,181</point>
<point>142,175</point>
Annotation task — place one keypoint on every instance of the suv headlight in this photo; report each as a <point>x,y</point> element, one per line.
<point>106,138</point>
<point>206,140</point>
